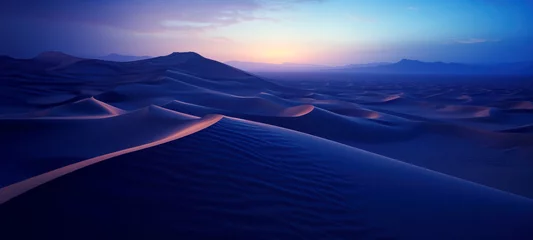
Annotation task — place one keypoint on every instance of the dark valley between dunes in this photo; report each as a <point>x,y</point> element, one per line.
<point>185,147</point>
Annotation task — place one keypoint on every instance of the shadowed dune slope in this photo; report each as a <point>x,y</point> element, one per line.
<point>56,59</point>
<point>90,150</point>
<point>472,154</point>
<point>521,129</point>
<point>329,125</point>
<point>262,182</point>
<point>33,146</point>
<point>85,108</point>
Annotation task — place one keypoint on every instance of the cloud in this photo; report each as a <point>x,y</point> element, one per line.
<point>475,40</point>
<point>149,15</point>
<point>411,8</point>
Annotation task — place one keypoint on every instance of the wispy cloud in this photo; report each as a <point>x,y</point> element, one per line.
<point>150,15</point>
<point>475,40</point>
<point>412,8</point>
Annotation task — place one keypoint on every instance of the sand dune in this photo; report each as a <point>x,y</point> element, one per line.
<point>297,111</point>
<point>515,105</point>
<point>523,105</point>
<point>86,108</point>
<point>521,129</point>
<point>357,112</point>
<point>381,100</point>
<point>345,129</point>
<point>57,59</point>
<point>59,141</point>
<point>13,190</point>
<point>466,98</point>
<point>290,185</point>
<point>466,111</point>
<point>185,146</point>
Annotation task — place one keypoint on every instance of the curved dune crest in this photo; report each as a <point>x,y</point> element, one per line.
<point>314,158</point>
<point>57,59</point>
<point>466,111</point>
<point>237,104</point>
<point>297,111</point>
<point>247,111</point>
<point>466,98</point>
<point>357,112</point>
<point>85,108</point>
<point>523,105</point>
<point>382,100</point>
<point>345,129</point>
<point>193,109</point>
<point>521,129</point>
<point>168,113</point>
<point>391,98</point>
<point>80,138</point>
<point>330,190</point>
<point>11,191</point>
<point>513,105</point>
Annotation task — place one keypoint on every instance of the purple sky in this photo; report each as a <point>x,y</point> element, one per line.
<point>330,32</point>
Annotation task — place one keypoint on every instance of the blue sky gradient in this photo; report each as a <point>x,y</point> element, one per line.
<point>332,32</point>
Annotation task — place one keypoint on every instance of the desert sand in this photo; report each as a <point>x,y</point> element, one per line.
<point>182,146</point>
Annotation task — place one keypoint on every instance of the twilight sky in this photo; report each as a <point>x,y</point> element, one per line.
<point>332,32</point>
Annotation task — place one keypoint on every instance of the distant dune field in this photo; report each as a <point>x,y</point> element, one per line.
<point>182,146</point>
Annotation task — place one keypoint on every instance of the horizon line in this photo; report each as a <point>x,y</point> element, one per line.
<point>269,63</point>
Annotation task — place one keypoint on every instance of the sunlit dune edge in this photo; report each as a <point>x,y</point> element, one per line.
<point>11,191</point>
<point>348,156</point>
<point>333,189</point>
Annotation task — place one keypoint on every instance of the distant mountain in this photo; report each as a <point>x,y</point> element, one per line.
<point>194,63</point>
<point>414,66</point>
<point>187,64</point>
<point>363,65</point>
<point>43,62</point>
<point>56,59</point>
<point>407,66</point>
<point>122,58</point>
<point>50,60</point>
<point>54,56</point>
<point>190,62</point>
<point>271,67</point>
